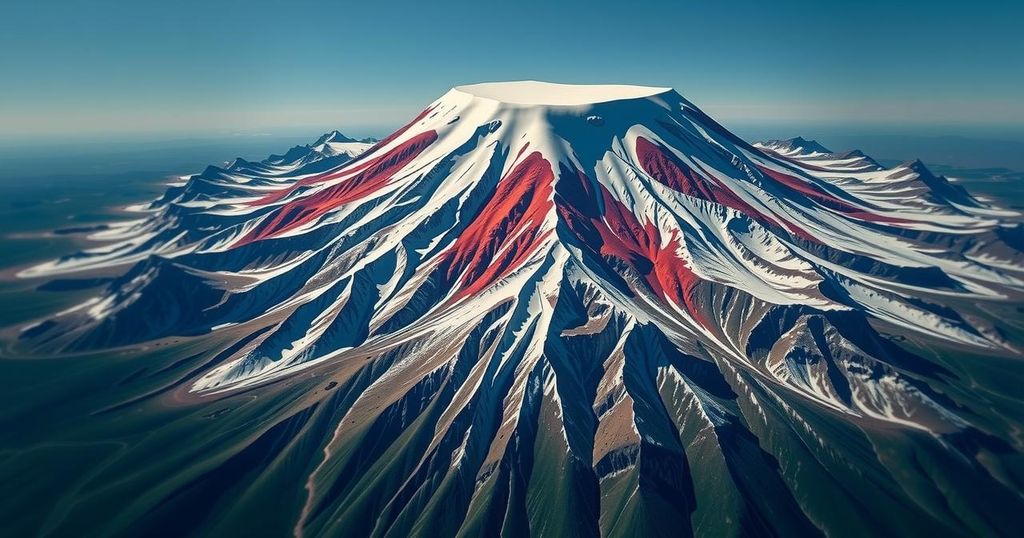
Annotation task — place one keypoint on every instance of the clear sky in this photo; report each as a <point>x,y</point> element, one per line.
<point>92,67</point>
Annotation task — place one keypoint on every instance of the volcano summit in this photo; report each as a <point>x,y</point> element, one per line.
<point>575,310</point>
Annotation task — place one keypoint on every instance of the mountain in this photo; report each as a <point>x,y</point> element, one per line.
<point>576,310</point>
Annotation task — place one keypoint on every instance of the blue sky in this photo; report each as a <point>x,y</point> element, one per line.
<point>104,67</point>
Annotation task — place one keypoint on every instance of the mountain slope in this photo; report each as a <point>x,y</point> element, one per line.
<point>586,310</point>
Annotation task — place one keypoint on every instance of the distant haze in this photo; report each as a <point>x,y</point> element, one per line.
<point>119,67</point>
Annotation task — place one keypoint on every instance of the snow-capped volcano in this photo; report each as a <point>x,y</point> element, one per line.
<point>599,283</point>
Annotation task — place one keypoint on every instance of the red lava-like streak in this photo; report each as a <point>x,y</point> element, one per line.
<point>372,176</point>
<point>616,232</point>
<point>356,165</point>
<point>817,194</point>
<point>671,172</point>
<point>513,213</point>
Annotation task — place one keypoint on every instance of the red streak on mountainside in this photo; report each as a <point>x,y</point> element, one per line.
<point>391,137</point>
<point>509,222</point>
<point>640,245</point>
<point>618,233</point>
<point>373,176</point>
<point>356,165</point>
<point>671,172</point>
<point>818,195</point>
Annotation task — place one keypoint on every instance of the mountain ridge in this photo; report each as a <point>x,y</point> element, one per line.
<point>606,286</point>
